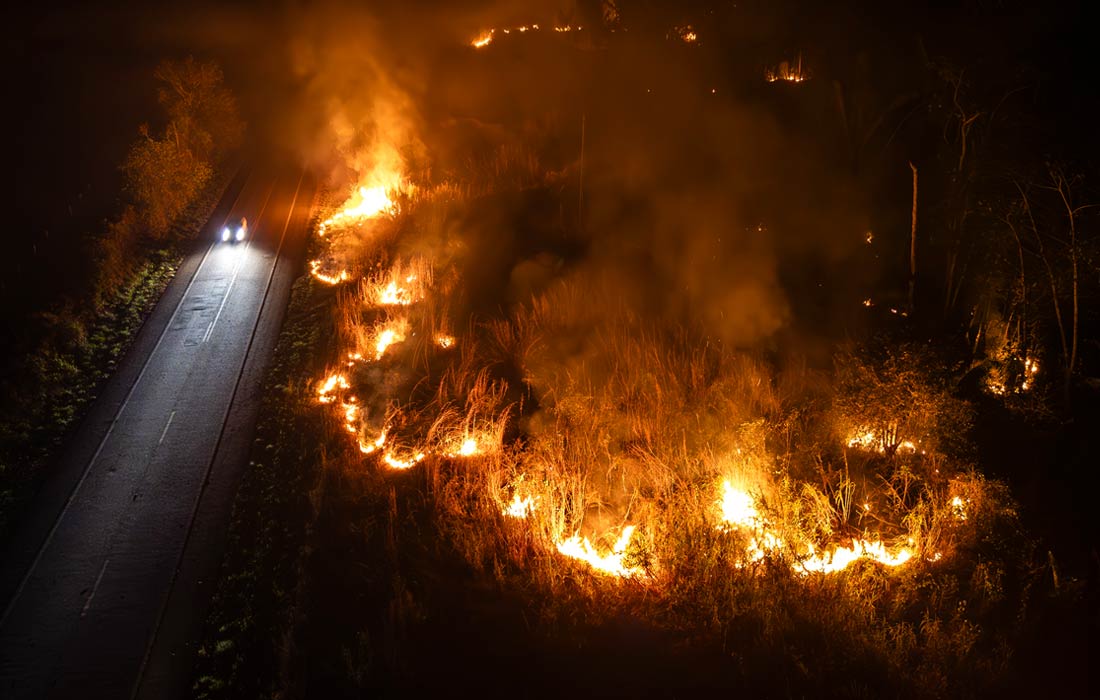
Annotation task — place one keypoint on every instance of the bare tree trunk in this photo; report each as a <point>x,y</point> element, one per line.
<point>1023,278</point>
<point>1071,214</point>
<point>1050,279</point>
<point>1022,328</point>
<point>913,244</point>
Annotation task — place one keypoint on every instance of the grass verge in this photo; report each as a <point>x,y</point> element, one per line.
<point>52,386</point>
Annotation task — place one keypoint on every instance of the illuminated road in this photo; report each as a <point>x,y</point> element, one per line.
<point>106,584</point>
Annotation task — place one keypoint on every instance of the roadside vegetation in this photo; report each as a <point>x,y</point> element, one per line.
<point>532,434</point>
<point>387,558</point>
<point>255,607</point>
<point>175,173</point>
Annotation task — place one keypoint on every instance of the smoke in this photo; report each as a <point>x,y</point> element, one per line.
<point>705,203</point>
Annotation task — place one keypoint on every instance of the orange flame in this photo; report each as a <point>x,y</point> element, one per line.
<point>612,563</point>
<point>520,507</point>
<point>790,72</point>
<point>339,277</point>
<point>483,40</point>
<point>329,385</point>
<point>365,203</point>
<point>386,338</point>
<point>369,447</point>
<point>841,557</point>
<point>397,463</point>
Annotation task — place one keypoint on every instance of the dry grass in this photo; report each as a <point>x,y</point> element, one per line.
<point>611,420</point>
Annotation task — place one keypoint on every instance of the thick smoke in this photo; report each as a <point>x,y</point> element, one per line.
<point>699,203</point>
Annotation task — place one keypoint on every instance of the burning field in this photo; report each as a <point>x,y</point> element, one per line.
<point>625,464</point>
<point>598,366</point>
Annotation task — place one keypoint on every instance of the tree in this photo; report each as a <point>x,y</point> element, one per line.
<point>898,396</point>
<point>202,112</point>
<point>1060,248</point>
<point>163,179</point>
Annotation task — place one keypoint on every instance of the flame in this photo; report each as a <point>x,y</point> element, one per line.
<point>567,28</point>
<point>1031,368</point>
<point>958,506</point>
<point>685,33</point>
<point>351,415</point>
<point>444,341</point>
<point>738,507</point>
<point>520,507</point>
<point>393,294</point>
<point>790,72</point>
<point>388,333</point>
<point>468,448</point>
<point>867,439</point>
<point>330,384</point>
<point>397,463</point>
<point>577,548</point>
<point>738,510</point>
<point>469,445</point>
<point>483,40</point>
<point>841,557</point>
<point>486,37</point>
<point>1001,380</point>
<point>365,203</point>
<point>339,277</point>
<point>369,447</point>
<point>385,339</point>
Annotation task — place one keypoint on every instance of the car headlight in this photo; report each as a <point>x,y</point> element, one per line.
<point>240,234</point>
<point>225,234</point>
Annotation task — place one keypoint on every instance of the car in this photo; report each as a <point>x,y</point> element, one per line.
<point>235,234</point>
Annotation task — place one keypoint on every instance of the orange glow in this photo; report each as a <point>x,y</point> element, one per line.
<point>738,510</point>
<point>468,448</point>
<point>351,415</point>
<point>958,506</point>
<point>580,548</point>
<point>520,507</point>
<point>738,507</point>
<point>369,447</point>
<point>841,557</point>
<point>867,439</point>
<point>391,294</point>
<point>787,71</point>
<point>366,203</point>
<point>685,33</point>
<point>387,334</point>
<point>397,463</point>
<point>444,341</point>
<point>329,385</point>
<point>483,40</point>
<point>339,277</point>
<point>385,339</point>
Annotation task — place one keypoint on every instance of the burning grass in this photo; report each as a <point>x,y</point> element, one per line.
<point>609,461</point>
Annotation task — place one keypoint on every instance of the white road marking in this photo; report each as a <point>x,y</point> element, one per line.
<point>236,269</point>
<point>217,447</point>
<point>165,431</point>
<point>99,580</point>
<point>210,328</point>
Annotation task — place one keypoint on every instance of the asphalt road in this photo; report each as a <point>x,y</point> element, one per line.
<point>106,584</point>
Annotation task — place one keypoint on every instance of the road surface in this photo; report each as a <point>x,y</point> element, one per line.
<point>106,584</point>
